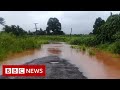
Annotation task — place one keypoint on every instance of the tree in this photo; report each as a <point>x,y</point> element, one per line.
<point>54,27</point>
<point>37,32</point>
<point>16,30</point>
<point>42,32</point>
<point>97,25</point>
<point>109,32</point>
<point>90,33</point>
<point>2,22</point>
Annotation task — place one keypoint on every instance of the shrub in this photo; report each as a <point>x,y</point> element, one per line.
<point>115,47</point>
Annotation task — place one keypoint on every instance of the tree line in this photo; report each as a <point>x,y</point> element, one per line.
<point>107,31</point>
<point>53,28</point>
<point>104,31</point>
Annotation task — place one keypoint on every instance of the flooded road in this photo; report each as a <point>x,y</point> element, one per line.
<point>100,66</point>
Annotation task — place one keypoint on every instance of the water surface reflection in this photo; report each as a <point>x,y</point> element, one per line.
<point>100,66</point>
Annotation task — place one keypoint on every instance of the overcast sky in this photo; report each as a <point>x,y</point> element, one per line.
<point>81,21</point>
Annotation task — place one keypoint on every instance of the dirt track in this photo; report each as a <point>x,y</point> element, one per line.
<point>61,70</point>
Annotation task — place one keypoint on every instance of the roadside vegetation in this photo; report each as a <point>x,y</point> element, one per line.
<point>10,43</point>
<point>104,36</point>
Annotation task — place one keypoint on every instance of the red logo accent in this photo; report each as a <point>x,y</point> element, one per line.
<point>24,70</point>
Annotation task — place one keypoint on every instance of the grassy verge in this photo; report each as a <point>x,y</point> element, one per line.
<point>12,44</point>
<point>110,47</point>
<point>88,42</point>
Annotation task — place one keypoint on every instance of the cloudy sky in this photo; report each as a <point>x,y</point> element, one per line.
<point>80,21</point>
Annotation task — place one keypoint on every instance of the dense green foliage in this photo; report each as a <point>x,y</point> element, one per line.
<point>54,27</point>
<point>37,32</point>
<point>99,22</point>
<point>88,40</point>
<point>109,32</point>
<point>9,43</point>
<point>105,36</point>
<point>16,30</point>
<point>110,47</point>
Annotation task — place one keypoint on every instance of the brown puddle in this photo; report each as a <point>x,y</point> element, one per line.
<point>54,51</point>
<point>112,64</point>
<point>21,54</point>
<point>100,66</point>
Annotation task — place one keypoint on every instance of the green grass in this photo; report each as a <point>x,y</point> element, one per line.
<point>12,44</point>
<point>82,40</point>
<point>87,41</point>
<point>80,47</point>
<point>115,47</point>
<point>110,47</point>
<point>91,52</point>
<point>75,46</point>
<point>84,48</point>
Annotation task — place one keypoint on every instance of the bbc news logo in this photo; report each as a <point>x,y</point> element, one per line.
<point>24,70</point>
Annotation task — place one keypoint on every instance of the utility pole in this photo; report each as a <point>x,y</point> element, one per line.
<point>71,32</point>
<point>36,26</point>
<point>110,13</point>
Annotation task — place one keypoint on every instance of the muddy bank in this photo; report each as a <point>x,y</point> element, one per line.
<point>56,68</point>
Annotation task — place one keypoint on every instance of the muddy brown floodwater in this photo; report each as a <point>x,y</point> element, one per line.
<point>100,66</point>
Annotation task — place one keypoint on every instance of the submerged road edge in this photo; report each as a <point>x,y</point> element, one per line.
<point>56,68</point>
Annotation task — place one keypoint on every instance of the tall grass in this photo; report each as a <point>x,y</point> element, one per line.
<point>80,47</point>
<point>86,41</point>
<point>91,52</point>
<point>114,47</point>
<point>82,40</point>
<point>110,47</point>
<point>12,44</point>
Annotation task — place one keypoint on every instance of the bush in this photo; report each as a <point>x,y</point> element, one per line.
<point>75,41</point>
<point>10,43</point>
<point>91,52</point>
<point>83,40</point>
<point>115,47</point>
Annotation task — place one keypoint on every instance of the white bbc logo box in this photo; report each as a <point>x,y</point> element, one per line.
<point>14,70</point>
